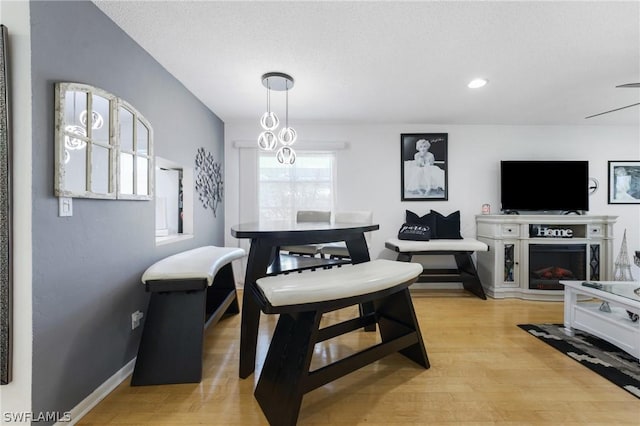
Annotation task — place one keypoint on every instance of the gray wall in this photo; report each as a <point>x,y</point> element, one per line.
<point>87,268</point>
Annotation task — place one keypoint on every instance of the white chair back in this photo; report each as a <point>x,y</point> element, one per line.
<point>356,216</point>
<point>313,216</point>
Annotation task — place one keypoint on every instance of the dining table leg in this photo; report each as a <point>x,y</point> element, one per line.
<point>257,264</point>
<point>358,249</point>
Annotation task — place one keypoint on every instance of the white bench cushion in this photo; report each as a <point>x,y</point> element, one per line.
<point>408,246</point>
<point>336,283</point>
<point>201,262</point>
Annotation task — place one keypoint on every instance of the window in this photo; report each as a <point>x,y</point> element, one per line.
<point>308,184</point>
<point>104,153</point>
<point>168,201</point>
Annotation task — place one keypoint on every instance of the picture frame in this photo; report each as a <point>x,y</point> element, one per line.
<point>424,165</point>
<point>624,182</point>
<point>6,257</point>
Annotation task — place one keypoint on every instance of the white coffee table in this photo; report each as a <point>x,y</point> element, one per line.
<point>582,312</point>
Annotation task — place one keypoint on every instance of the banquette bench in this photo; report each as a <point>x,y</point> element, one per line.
<point>302,299</point>
<point>460,249</point>
<point>189,291</point>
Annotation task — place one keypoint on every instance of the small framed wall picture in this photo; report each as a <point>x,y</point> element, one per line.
<point>624,182</point>
<point>423,162</point>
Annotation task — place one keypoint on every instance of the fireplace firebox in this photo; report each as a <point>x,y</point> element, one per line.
<point>550,263</point>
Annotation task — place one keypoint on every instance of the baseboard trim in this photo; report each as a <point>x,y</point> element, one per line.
<point>80,410</point>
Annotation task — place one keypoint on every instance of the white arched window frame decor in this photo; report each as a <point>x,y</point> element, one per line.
<point>107,153</point>
<point>135,171</point>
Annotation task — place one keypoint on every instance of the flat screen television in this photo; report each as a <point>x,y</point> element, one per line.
<point>544,186</point>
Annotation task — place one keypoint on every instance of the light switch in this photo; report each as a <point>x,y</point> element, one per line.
<point>65,206</point>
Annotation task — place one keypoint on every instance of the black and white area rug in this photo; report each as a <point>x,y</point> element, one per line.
<point>600,356</point>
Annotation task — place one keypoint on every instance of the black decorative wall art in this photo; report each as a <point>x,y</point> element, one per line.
<point>209,184</point>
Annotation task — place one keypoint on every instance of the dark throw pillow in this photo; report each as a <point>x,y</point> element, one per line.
<point>428,220</point>
<point>415,232</point>
<point>447,227</point>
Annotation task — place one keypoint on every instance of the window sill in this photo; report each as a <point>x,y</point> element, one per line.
<point>174,238</point>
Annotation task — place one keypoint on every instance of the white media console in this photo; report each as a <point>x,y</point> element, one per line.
<point>529,254</point>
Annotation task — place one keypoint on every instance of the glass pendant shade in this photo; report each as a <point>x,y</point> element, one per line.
<point>286,155</point>
<point>267,140</point>
<point>287,136</point>
<point>269,120</point>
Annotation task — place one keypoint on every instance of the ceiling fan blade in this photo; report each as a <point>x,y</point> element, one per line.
<point>617,109</point>
<point>630,85</point>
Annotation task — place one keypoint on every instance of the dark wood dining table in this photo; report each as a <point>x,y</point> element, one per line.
<point>264,259</point>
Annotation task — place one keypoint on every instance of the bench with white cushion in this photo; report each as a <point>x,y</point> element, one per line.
<point>461,249</point>
<point>189,291</point>
<point>302,299</point>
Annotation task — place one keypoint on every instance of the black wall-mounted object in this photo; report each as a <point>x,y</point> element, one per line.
<point>544,185</point>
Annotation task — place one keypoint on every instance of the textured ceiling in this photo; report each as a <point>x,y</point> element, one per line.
<point>399,62</point>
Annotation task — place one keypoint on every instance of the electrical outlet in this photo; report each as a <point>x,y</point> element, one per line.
<point>135,319</point>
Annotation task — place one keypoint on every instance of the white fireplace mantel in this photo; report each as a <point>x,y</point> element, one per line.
<point>505,269</point>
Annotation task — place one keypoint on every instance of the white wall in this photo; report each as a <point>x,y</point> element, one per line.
<point>369,169</point>
<point>16,396</point>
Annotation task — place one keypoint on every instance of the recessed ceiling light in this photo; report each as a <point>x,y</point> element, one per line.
<point>478,82</point>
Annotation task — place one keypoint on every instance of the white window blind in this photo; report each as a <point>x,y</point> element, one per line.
<point>308,184</point>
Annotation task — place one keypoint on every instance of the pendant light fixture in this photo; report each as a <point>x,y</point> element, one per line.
<point>267,140</point>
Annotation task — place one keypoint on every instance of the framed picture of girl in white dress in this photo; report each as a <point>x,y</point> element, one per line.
<point>424,166</point>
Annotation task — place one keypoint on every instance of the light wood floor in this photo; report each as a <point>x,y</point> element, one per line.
<point>484,370</point>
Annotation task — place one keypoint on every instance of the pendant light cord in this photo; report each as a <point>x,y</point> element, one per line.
<point>286,116</point>
<point>268,96</point>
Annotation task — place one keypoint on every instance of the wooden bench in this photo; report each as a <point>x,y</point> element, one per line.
<point>189,291</point>
<point>461,250</point>
<point>302,299</point>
